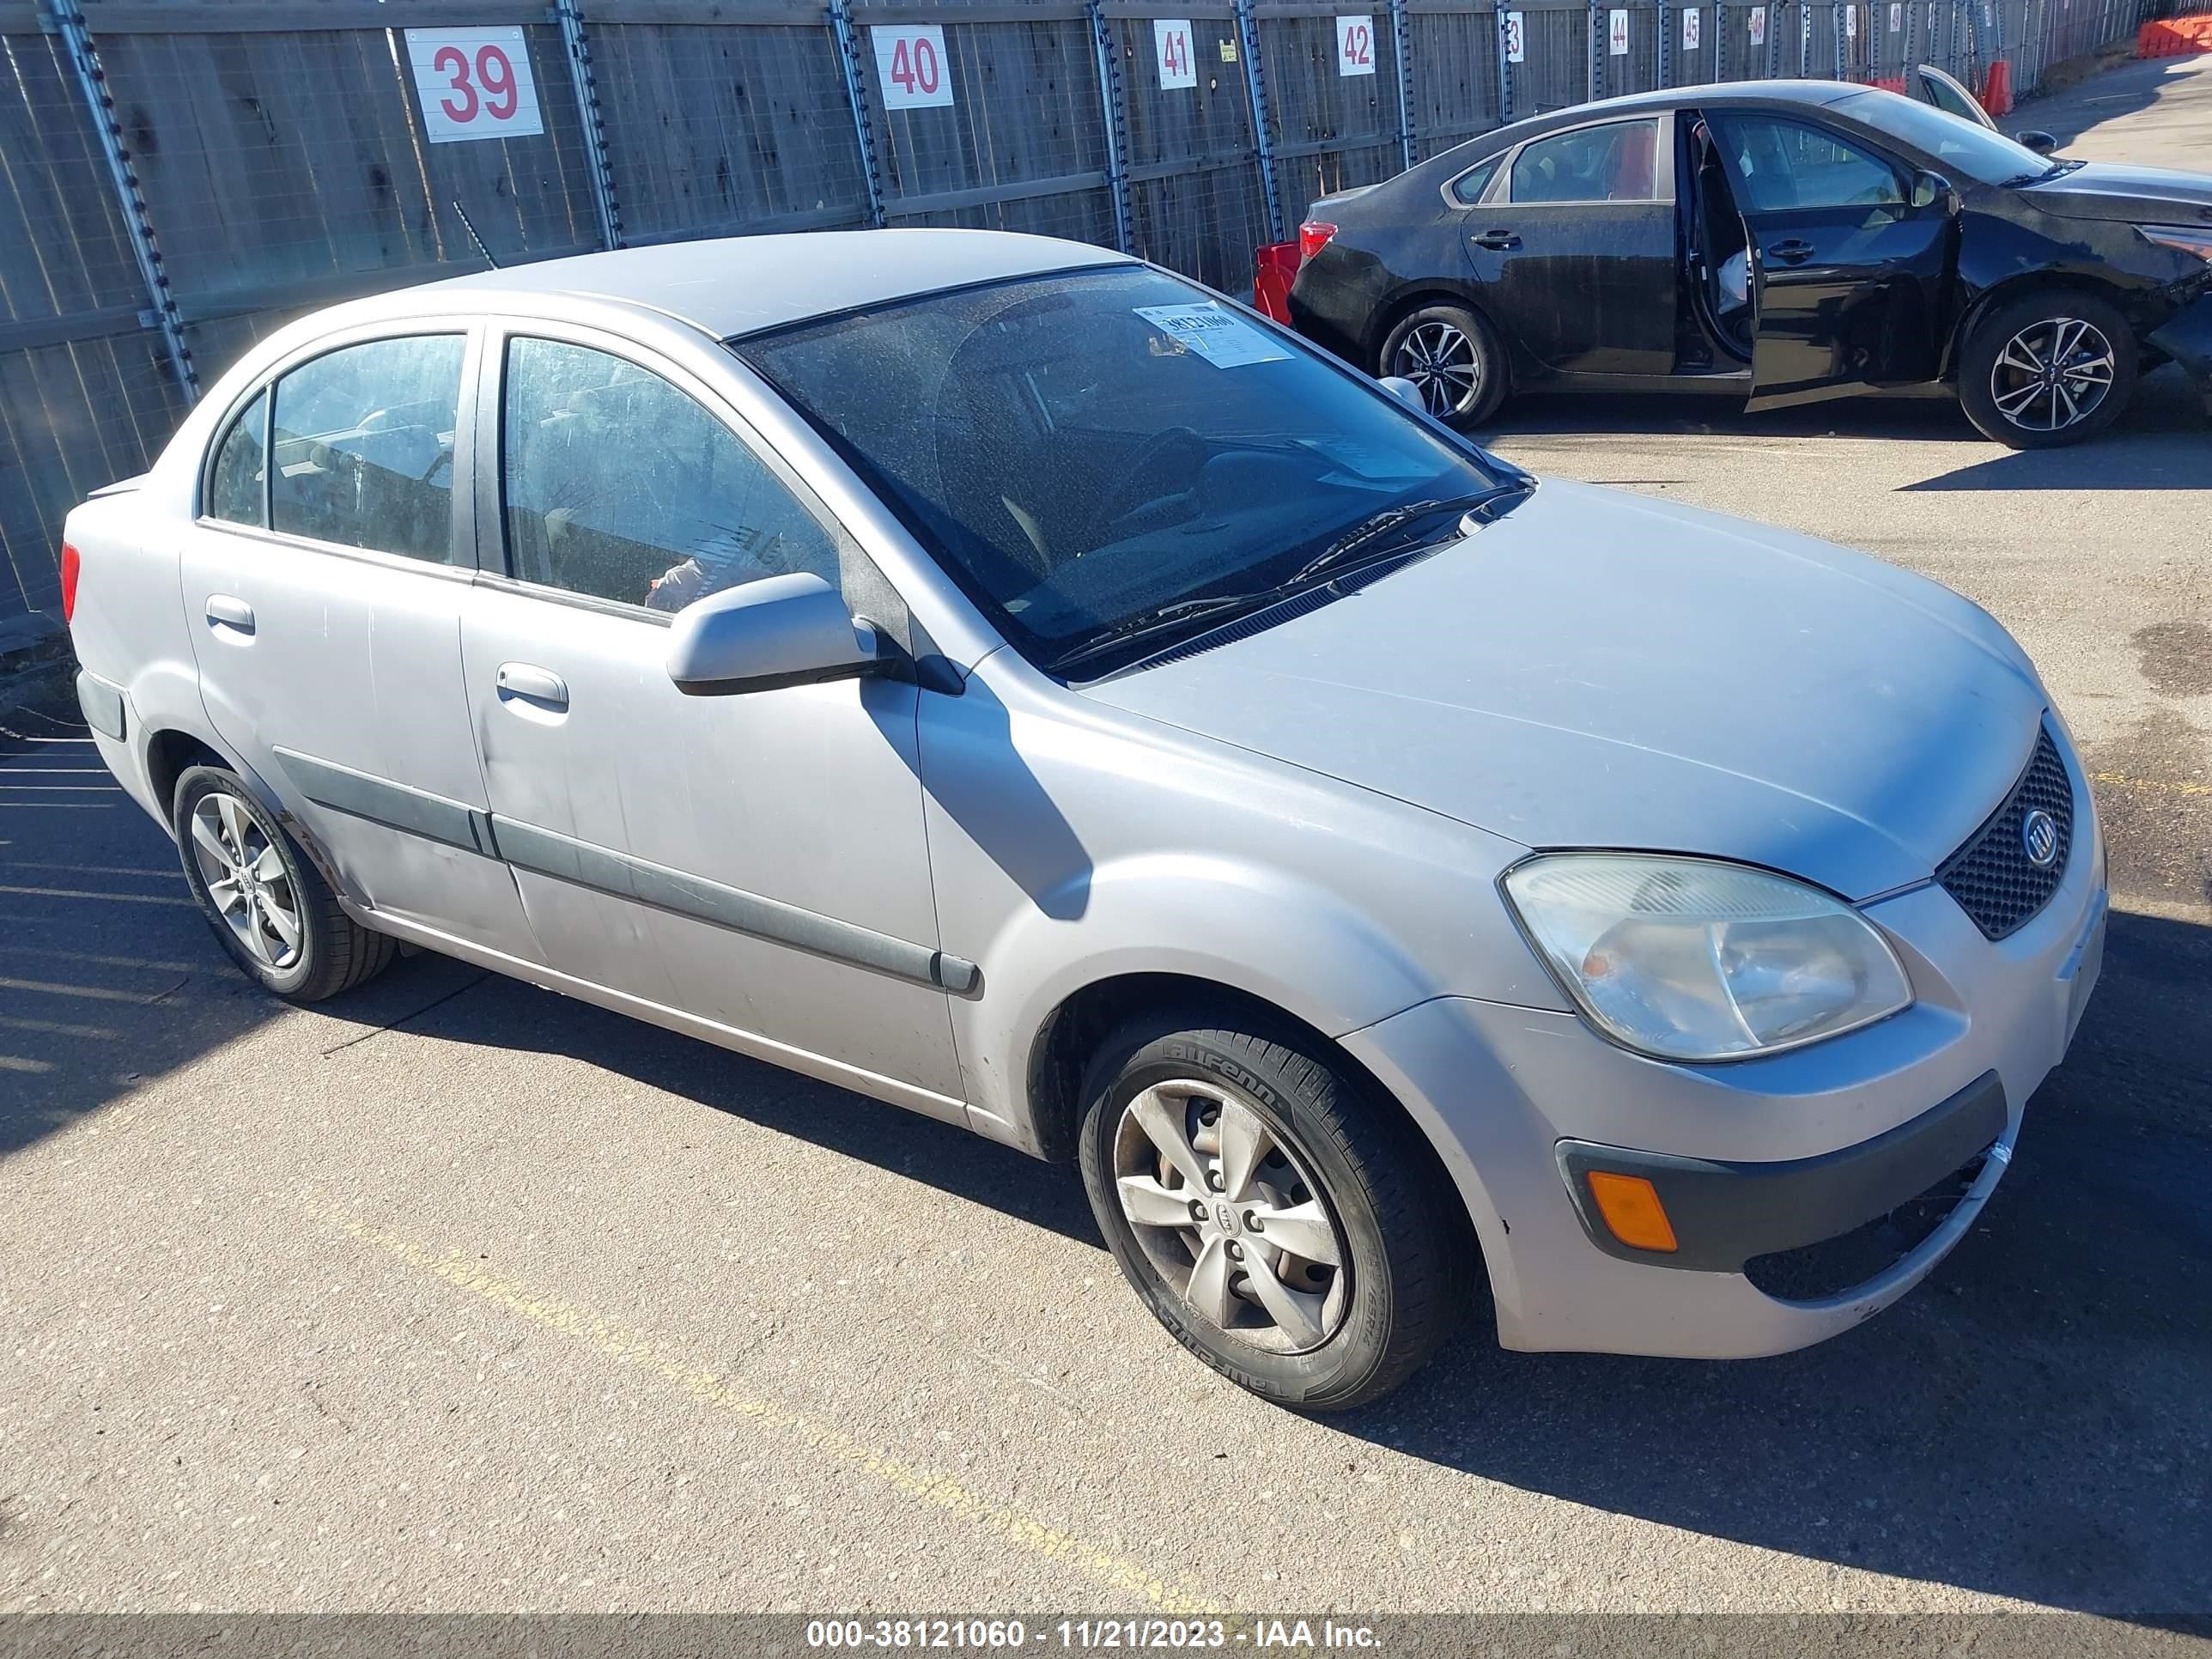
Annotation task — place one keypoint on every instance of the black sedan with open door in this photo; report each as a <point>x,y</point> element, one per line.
<point>1778,242</point>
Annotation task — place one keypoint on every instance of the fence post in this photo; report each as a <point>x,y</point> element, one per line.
<point>1504,62</point>
<point>849,59</point>
<point>1666,59</point>
<point>1720,40</point>
<point>1117,120</point>
<point>1597,49</point>
<point>137,223</point>
<point>1401,38</point>
<point>1835,25</point>
<point>587,112</point>
<point>1255,84</point>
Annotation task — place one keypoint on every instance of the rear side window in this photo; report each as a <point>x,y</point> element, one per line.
<point>620,486</point>
<point>1467,188</point>
<point>1616,162</point>
<point>238,489</point>
<point>364,446</point>
<point>1783,165</point>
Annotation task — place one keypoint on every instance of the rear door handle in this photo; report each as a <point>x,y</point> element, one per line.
<point>1792,253</point>
<point>226,611</point>
<point>541,686</point>
<point>1497,240</point>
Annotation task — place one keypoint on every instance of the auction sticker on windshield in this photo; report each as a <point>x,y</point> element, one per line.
<point>1224,341</point>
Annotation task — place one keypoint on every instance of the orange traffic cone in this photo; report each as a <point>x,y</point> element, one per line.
<point>1997,94</point>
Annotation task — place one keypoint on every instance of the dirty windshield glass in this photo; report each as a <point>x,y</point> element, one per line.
<point>1083,451</point>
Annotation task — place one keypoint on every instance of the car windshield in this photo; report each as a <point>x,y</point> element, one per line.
<point>1086,450</point>
<point>1948,140</point>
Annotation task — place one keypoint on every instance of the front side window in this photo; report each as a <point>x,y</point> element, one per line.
<point>238,489</point>
<point>1956,143</point>
<point>364,444</point>
<point>1082,450</point>
<point>1783,165</point>
<point>621,487</point>
<point>1616,162</point>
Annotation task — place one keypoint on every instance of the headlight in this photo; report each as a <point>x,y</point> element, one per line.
<point>2188,239</point>
<point>1689,959</point>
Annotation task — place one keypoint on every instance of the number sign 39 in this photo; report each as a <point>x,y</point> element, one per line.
<point>1355,46</point>
<point>473,83</point>
<point>911,67</point>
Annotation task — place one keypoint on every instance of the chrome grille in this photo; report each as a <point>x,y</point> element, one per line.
<point>1992,876</point>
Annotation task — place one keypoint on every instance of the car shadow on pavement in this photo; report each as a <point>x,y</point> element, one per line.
<point>2032,1422</point>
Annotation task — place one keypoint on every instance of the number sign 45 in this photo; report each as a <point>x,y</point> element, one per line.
<point>1355,46</point>
<point>473,83</point>
<point>911,67</point>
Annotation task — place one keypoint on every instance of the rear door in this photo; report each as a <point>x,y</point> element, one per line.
<point>324,596</point>
<point>1849,276</point>
<point>1574,246</point>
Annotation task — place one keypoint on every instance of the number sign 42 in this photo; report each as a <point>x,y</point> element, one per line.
<point>1355,46</point>
<point>911,67</point>
<point>473,83</point>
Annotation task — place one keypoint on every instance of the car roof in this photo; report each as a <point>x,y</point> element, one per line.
<point>1734,92</point>
<point>735,285</point>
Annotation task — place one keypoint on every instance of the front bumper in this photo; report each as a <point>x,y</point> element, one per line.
<point>1517,1100</point>
<point>2187,339</point>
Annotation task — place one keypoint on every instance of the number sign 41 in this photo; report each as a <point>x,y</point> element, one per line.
<point>1171,46</point>
<point>1355,46</point>
<point>473,83</point>
<point>911,67</point>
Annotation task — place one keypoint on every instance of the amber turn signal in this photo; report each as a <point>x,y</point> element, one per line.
<point>1631,1207</point>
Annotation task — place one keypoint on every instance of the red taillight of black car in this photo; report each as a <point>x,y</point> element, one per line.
<point>1313,237</point>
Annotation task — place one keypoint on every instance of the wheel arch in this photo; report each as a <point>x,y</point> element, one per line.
<point>2021,286</point>
<point>1404,303</point>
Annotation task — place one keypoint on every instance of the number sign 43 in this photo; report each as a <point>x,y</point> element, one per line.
<point>1355,46</point>
<point>911,67</point>
<point>473,83</point>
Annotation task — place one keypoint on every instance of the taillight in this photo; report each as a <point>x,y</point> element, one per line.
<point>69,582</point>
<point>1313,237</point>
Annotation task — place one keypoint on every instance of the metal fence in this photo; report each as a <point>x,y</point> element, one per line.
<point>177,177</point>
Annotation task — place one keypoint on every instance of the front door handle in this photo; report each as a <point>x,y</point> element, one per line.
<point>1792,253</point>
<point>227,611</point>
<point>534,684</point>
<point>1498,241</point>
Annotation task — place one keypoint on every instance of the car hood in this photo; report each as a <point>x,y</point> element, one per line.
<point>2144,196</point>
<point>1596,669</point>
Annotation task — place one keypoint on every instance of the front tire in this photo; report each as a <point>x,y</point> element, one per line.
<point>2048,369</point>
<point>269,906</point>
<point>1295,1237</point>
<point>1453,357</point>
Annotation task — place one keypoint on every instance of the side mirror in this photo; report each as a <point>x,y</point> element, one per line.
<point>2036,140</point>
<point>1404,392</point>
<point>782,630</point>
<point>1929,188</point>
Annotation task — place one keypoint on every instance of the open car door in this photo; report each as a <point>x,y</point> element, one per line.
<point>1851,252</point>
<point>1932,86</point>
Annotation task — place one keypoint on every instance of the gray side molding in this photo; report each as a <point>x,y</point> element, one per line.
<point>550,853</point>
<point>382,801</point>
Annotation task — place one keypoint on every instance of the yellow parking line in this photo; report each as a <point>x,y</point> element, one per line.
<point>2121,781</point>
<point>926,1491</point>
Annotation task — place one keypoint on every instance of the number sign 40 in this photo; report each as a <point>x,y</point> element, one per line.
<point>1355,46</point>
<point>473,83</point>
<point>911,67</point>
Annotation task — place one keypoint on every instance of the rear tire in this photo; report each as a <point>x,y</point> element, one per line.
<point>269,906</point>
<point>1192,1136</point>
<point>2048,369</point>
<point>1453,357</point>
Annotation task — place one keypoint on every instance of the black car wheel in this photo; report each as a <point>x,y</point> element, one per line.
<point>1289,1234</point>
<point>1452,355</point>
<point>2048,369</point>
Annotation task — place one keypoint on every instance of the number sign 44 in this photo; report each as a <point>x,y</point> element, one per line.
<point>1355,46</point>
<point>473,83</point>
<point>911,71</point>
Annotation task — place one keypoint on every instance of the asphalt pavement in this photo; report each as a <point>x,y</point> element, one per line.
<point>453,1294</point>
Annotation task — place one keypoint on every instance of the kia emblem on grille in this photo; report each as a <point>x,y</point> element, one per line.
<point>2038,835</point>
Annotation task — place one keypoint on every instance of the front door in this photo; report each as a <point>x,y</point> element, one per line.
<point>1848,274</point>
<point>757,860</point>
<point>323,599</point>
<point>1575,250</point>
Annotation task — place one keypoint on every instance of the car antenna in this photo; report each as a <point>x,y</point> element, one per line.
<point>470,226</point>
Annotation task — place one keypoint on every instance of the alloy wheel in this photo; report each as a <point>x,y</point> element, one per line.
<point>246,879</point>
<point>1442,362</point>
<point>1228,1217</point>
<point>2052,375</point>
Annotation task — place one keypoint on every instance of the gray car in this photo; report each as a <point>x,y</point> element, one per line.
<point>999,677</point>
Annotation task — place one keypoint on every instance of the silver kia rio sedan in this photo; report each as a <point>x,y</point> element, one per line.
<point>1003,678</point>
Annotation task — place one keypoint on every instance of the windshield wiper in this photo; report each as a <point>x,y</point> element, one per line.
<point>1154,619</point>
<point>2056,170</point>
<point>1363,536</point>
